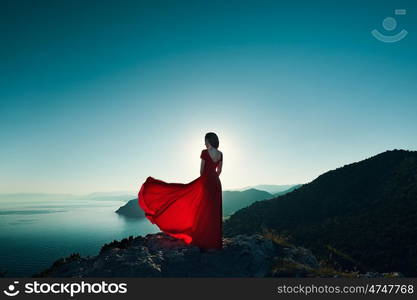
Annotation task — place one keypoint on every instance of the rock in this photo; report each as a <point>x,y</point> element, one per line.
<point>303,256</point>
<point>380,275</point>
<point>160,255</point>
<point>131,210</point>
<point>295,262</point>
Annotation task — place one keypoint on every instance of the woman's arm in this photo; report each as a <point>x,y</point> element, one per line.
<point>219,168</point>
<point>202,166</point>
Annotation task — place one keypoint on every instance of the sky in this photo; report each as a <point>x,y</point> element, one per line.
<point>95,96</point>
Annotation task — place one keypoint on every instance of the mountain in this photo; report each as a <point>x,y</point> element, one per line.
<point>361,216</point>
<point>232,201</point>
<point>292,188</point>
<point>270,188</point>
<point>159,255</point>
<point>109,197</point>
<point>131,210</point>
<point>235,200</point>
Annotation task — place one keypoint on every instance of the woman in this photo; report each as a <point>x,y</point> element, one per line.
<point>193,211</point>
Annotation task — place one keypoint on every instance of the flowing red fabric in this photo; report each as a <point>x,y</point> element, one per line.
<point>192,211</point>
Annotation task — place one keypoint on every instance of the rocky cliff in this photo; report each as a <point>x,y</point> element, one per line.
<point>159,255</point>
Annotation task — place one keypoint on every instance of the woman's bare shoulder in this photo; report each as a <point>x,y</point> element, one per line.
<point>220,154</point>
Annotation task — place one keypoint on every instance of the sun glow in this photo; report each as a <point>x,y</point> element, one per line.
<point>228,146</point>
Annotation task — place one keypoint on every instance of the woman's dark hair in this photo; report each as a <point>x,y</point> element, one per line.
<point>213,139</point>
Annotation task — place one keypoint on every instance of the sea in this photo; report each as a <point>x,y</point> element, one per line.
<point>34,234</point>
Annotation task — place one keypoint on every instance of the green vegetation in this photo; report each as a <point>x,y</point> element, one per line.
<point>362,216</point>
<point>123,244</point>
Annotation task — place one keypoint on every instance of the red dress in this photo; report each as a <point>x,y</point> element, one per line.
<point>191,212</point>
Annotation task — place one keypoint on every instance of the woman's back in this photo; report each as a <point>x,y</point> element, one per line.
<point>211,161</point>
<point>215,154</point>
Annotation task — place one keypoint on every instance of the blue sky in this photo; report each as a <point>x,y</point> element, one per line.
<point>98,95</point>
